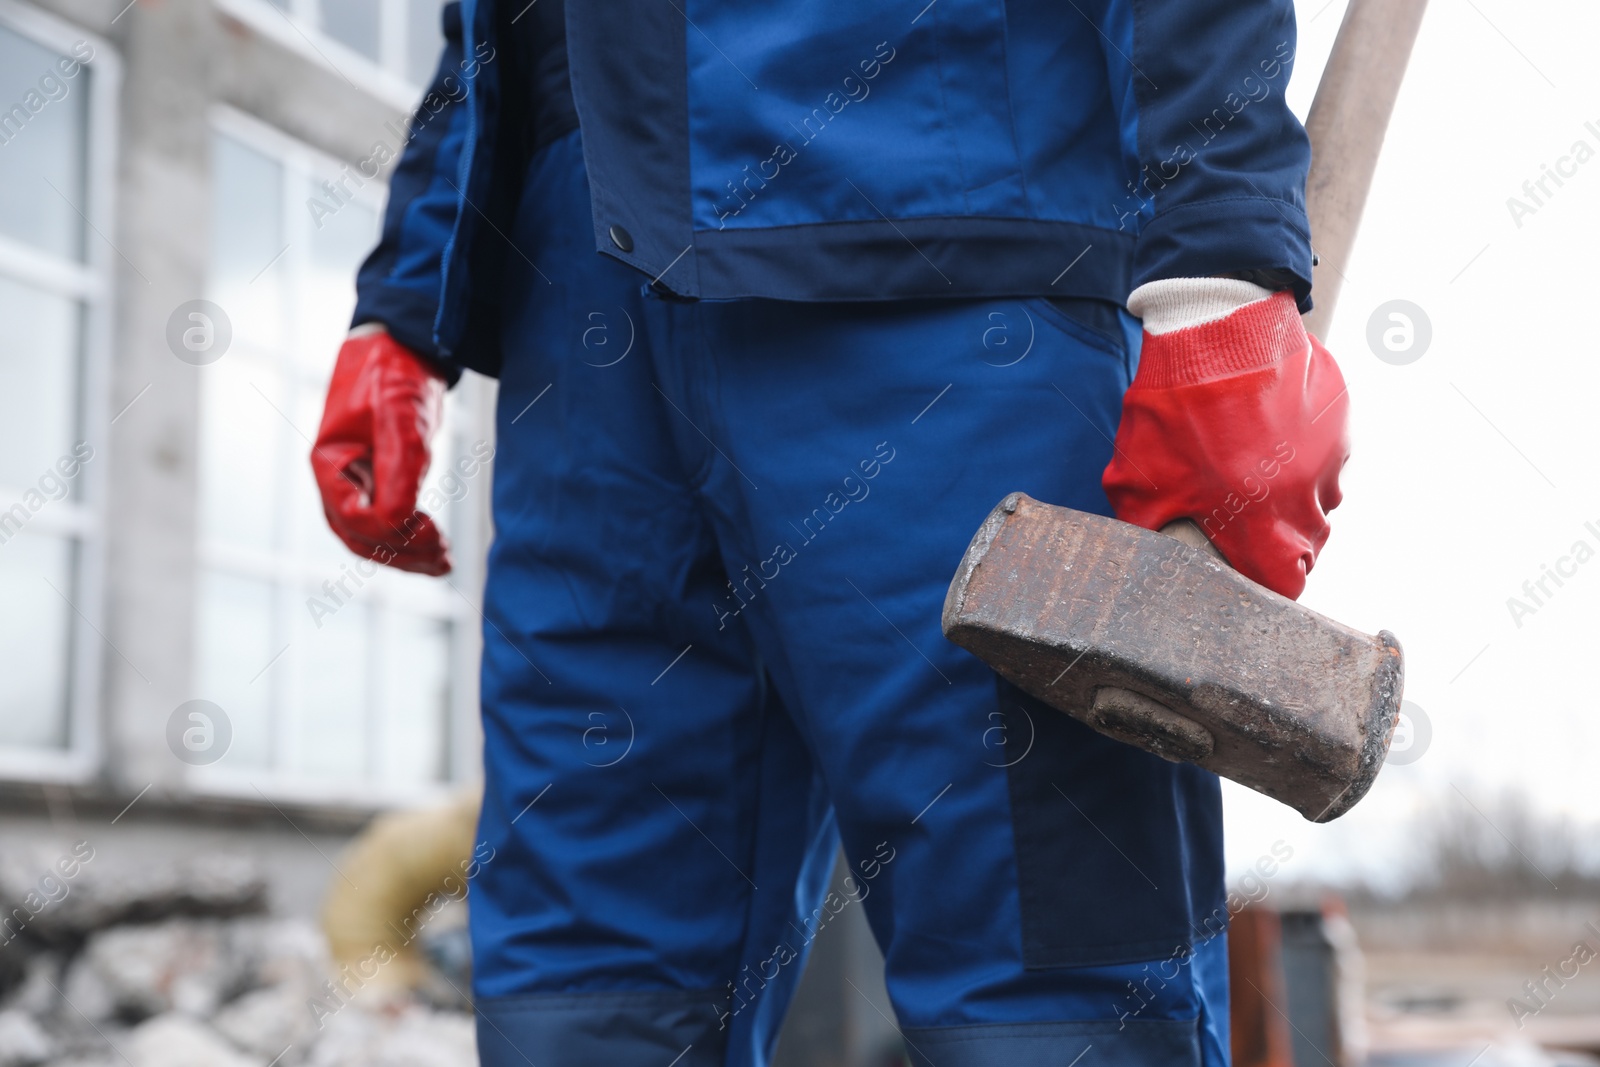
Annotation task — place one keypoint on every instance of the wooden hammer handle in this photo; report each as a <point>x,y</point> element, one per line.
<point>1348,120</point>
<point>1191,535</point>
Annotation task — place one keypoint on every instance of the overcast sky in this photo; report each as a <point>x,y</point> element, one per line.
<point>1476,465</point>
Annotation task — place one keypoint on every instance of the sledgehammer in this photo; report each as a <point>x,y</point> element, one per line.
<point>1150,638</point>
<point>1158,643</point>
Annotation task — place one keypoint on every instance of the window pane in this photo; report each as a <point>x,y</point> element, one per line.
<point>424,39</point>
<point>353,23</point>
<point>35,631</point>
<point>247,241</point>
<point>416,675</point>
<point>42,131</point>
<point>325,293</point>
<point>234,645</point>
<point>330,718</point>
<point>362,692</point>
<point>325,296</point>
<point>39,366</point>
<point>241,453</point>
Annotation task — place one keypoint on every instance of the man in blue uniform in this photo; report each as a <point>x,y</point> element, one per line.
<point>783,298</point>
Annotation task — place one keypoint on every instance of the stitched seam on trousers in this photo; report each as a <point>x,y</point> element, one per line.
<point>689,366</point>
<point>986,1032</point>
<point>521,1003</point>
<point>1110,954</point>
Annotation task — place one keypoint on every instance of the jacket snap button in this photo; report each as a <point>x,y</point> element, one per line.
<point>621,238</point>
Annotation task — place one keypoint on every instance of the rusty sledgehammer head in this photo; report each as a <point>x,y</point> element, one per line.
<point>1161,645</point>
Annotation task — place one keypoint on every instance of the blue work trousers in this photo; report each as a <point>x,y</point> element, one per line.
<point>723,535</point>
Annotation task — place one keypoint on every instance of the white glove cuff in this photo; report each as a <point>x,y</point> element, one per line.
<point>1179,303</point>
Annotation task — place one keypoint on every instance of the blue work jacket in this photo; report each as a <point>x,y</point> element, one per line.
<point>827,150</point>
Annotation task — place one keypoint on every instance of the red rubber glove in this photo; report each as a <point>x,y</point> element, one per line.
<point>1239,425</point>
<point>372,452</point>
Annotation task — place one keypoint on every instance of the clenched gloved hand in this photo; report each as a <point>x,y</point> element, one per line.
<point>1236,420</point>
<point>372,451</point>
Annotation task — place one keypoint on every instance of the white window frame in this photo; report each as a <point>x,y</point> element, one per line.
<point>300,31</point>
<point>289,577</point>
<point>83,518</point>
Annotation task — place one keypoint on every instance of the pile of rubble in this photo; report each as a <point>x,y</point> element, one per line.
<point>179,965</point>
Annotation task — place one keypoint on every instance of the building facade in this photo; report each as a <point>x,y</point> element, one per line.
<point>192,662</point>
<point>188,189</point>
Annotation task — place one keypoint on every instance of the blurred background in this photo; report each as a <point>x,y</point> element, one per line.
<point>211,709</point>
